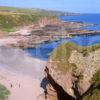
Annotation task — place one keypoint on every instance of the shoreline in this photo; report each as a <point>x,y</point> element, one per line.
<point>30,36</point>
<point>20,60</point>
<point>21,74</point>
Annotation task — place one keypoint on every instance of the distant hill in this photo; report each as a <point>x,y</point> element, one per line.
<point>34,11</point>
<point>11,17</point>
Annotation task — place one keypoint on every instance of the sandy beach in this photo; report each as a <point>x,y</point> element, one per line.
<point>8,40</point>
<point>21,74</point>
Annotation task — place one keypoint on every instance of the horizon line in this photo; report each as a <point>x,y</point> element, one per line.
<point>47,9</point>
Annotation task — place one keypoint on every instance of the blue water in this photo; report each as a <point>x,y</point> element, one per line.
<point>44,50</point>
<point>85,18</point>
<point>86,40</point>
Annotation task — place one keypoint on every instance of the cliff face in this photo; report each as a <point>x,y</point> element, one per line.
<point>71,70</point>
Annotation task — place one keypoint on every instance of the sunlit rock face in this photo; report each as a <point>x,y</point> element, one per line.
<point>73,67</point>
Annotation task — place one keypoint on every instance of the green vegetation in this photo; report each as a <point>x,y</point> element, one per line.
<point>8,29</point>
<point>11,17</point>
<point>9,21</point>
<point>94,93</point>
<point>62,53</point>
<point>4,93</point>
<point>34,11</point>
<point>96,78</point>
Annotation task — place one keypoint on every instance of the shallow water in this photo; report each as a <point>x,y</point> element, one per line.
<point>44,50</point>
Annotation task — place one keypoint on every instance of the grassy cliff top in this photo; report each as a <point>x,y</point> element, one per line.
<point>33,11</point>
<point>10,21</point>
<point>11,17</point>
<point>60,59</point>
<point>62,53</point>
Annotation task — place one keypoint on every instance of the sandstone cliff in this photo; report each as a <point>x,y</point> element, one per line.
<point>73,72</point>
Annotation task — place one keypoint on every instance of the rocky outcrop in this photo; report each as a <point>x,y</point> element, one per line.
<point>71,69</point>
<point>58,92</point>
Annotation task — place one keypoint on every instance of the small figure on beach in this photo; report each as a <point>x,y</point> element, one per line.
<point>19,85</point>
<point>11,85</point>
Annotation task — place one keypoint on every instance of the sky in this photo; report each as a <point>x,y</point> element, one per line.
<point>79,6</point>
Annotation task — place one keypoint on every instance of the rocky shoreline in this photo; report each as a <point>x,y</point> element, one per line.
<point>32,35</point>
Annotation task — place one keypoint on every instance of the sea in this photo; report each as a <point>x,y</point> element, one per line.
<point>84,18</point>
<point>44,50</point>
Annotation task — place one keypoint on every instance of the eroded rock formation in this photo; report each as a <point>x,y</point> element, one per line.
<point>71,69</point>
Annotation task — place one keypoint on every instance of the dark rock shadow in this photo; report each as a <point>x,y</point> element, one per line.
<point>61,94</point>
<point>44,83</point>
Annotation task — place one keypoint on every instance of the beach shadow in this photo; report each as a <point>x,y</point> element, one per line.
<point>44,84</point>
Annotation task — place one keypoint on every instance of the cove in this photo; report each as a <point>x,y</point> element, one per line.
<point>43,51</point>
